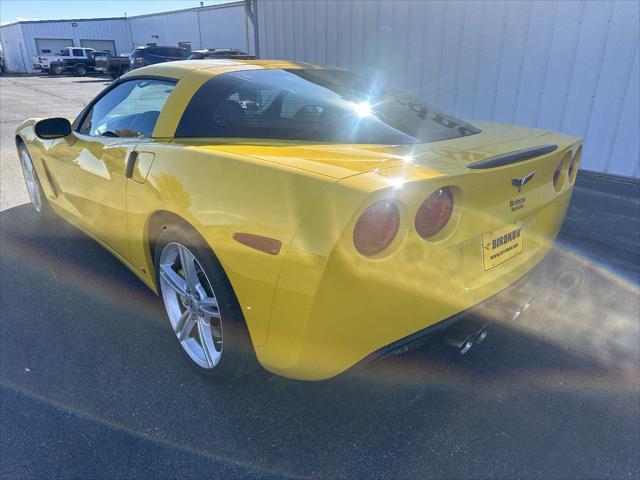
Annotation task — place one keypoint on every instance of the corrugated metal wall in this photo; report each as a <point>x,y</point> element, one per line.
<point>113,29</point>
<point>208,27</point>
<point>170,28</point>
<point>13,48</point>
<point>212,26</point>
<point>564,65</point>
<point>223,27</point>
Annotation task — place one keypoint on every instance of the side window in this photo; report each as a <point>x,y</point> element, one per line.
<point>129,110</point>
<point>77,52</point>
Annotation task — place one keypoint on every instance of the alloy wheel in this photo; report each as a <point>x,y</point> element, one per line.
<point>191,305</point>
<point>30,179</point>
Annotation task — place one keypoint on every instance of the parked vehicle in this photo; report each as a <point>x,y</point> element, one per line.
<point>211,53</point>
<point>112,65</point>
<point>142,56</point>
<point>301,214</point>
<point>76,60</point>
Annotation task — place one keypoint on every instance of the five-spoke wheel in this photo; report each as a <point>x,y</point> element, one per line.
<point>191,305</point>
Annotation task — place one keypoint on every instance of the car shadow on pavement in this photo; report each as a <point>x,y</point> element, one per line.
<point>552,395</point>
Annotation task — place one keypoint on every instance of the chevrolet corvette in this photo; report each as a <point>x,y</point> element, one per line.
<point>301,216</point>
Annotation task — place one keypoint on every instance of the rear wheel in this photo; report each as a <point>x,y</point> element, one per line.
<point>81,70</point>
<point>203,310</point>
<point>32,182</point>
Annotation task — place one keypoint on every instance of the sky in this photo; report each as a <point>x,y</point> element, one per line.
<point>15,10</point>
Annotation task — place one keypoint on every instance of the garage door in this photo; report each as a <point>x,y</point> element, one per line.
<point>100,45</point>
<point>52,45</point>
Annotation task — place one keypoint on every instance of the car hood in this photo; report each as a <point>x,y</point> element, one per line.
<point>340,161</point>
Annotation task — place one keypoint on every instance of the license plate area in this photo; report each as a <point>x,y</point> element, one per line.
<point>501,245</point>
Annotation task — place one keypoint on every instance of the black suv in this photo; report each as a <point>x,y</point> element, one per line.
<point>142,56</point>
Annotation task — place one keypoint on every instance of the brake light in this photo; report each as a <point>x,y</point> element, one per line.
<point>557,177</point>
<point>376,228</point>
<point>434,213</point>
<point>574,165</point>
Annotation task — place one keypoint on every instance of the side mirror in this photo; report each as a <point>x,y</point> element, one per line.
<point>53,128</point>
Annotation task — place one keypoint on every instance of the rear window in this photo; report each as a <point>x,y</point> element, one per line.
<point>323,105</point>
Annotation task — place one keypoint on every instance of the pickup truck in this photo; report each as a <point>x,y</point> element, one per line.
<point>114,66</point>
<point>77,60</point>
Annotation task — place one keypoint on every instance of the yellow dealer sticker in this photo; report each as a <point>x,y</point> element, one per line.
<point>501,245</point>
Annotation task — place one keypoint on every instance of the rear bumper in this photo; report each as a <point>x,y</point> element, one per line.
<point>344,311</point>
<point>509,301</point>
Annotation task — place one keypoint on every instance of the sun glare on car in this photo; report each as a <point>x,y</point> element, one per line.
<point>363,109</point>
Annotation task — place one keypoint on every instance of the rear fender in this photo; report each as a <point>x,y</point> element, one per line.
<point>220,195</point>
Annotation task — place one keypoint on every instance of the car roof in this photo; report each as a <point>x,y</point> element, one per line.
<point>180,68</point>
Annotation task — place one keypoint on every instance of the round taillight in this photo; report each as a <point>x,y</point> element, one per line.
<point>557,177</point>
<point>575,163</point>
<point>434,213</point>
<point>376,228</point>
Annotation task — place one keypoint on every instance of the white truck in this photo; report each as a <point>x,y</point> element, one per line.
<point>77,60</point>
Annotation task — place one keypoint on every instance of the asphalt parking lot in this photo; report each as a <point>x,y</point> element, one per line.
<point>93,385</point>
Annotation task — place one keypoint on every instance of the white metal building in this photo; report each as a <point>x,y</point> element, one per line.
<point>23,40</point>
<point>570,66</point>
<point>204,27</point>
<point>213,26</point>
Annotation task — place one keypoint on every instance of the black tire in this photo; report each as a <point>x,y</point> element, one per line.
<point>237,352</point>
<point>80,70</point>
<point>45,212</point>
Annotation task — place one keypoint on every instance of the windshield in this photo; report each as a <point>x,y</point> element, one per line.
<point>323,105</point>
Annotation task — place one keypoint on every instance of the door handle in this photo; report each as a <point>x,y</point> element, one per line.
<point>131,164</point>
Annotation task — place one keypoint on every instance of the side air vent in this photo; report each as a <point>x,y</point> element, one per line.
<point>513,157</point>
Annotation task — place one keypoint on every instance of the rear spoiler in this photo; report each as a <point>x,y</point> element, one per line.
<point>513,157</point>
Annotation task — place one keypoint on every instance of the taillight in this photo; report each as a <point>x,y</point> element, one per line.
<point>557,175</point>
<point>558,178</point>
<point>376,228</point>
<point>434,213</point>
<point>575,163</point>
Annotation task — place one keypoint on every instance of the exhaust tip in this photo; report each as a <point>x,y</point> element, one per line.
<point>481,335</point>
<point>464,334</point>
<point>466,347</point>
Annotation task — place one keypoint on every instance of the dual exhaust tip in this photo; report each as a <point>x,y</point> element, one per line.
<point>465,334</point>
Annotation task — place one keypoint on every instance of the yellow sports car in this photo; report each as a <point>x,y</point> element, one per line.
<point>300,215</point>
